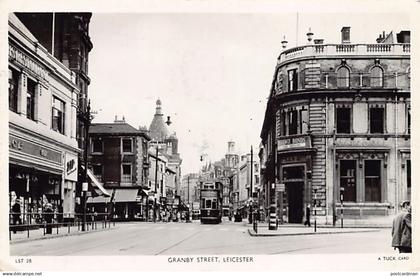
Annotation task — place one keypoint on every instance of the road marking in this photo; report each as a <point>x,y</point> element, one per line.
<point>223,229</point>
<point>189,228</point>
<point>175,228</point>
<point>159,227</point>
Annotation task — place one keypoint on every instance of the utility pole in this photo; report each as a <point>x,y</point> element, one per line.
<point>156,179</point>
<point>85,117</point>
<point>250,187</point>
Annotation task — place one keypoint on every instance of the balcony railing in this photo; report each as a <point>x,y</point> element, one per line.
<point>345,49</point>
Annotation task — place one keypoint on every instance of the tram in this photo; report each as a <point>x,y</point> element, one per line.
<point>211,201</point>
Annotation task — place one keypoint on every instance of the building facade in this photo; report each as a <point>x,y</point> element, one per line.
<point>43,163</point>
<point>118,158</point>
<point>336,133</point>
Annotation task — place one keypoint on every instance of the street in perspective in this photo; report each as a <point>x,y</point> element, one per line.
<point>208,134</point>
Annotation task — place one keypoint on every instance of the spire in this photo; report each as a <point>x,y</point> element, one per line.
<point>158,130</point>
<point>158,107</point>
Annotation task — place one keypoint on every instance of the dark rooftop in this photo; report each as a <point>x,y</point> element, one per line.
<point>115,129</point>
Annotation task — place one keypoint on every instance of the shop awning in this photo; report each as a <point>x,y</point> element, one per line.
<point>125,195</point>
<point>97,184</point>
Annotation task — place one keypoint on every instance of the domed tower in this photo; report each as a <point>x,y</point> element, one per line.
<point>158,130</point>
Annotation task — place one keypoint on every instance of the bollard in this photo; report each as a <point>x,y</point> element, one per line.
<point>273,223</point>
<point>57,228</point>
<point>68,227</point>
<point>28,231</point>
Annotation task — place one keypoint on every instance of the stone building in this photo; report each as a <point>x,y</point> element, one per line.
<point>337,130</point>
<point>43,163</point>
<point>66,37</point>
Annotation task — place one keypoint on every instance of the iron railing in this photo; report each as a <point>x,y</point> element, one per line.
<point>55,222</point>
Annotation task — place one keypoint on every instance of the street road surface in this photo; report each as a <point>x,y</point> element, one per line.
<point>140,238</point>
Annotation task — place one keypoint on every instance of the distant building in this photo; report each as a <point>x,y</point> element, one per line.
<point>167,144</point>
<point>118,158</point>
<point>337,127</point>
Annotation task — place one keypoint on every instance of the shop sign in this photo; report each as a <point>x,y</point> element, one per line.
<point>30,148</point>
<point>294,142</point>
<point>26,61</point>
<point>71,167</point>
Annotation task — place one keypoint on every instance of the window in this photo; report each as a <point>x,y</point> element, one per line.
<point>126,173</point>
<point>13,89</point>
<point>30,100</point>
<point>283,123</point>
<point>208,203</point>
<point>58,113</point>
<point>214,204</point>
<point>348,180</point>
<point>343,76</point>
<point>293,122</point>
<point>97,171</point>
<point>127,145</point>
<point>293,79</point>
<point>97,145</point>
<point>343,120</point>
<point>376,115</point>
<point>376,77</point>
<point>409,120</point>
<point>372,180</point>
<point>409,179</point>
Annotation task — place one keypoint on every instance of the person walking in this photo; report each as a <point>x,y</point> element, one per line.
<point>17,220</point>
<point>406,232</point>
<point>48,217</point>
<point>401,229</point>
<point>308,215</point>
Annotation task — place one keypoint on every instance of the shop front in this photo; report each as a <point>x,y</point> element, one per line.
<point>38,174</point>
<point>295,189</point>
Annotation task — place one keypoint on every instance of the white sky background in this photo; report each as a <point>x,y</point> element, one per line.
<point>213,72</point>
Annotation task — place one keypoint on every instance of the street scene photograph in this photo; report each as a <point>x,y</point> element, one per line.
<point>182,134</point>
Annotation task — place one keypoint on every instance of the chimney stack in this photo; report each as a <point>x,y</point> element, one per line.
<point>345,35</point>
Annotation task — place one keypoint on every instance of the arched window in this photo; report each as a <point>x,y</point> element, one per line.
<point>343,77</point>
<point>376,77</point>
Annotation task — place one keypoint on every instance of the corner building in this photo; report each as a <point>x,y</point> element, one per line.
<point>336,133</point>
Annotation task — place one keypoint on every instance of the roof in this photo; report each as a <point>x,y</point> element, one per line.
<point>115,129</point>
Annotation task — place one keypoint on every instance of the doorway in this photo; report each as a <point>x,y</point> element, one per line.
<point>294,191</point>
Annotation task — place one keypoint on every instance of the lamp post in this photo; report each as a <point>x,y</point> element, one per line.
<point>85,117</point>
<point>250,188</point>
<point>168,122</point>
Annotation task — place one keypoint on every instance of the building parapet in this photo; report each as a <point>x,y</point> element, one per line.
<point>322,50</point>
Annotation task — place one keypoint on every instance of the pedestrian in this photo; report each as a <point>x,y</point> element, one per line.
<point>401,229</point>
<point>17,220</point>
<point>308,215</point>
<point>48,216</point>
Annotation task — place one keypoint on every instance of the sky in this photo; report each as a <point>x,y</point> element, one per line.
<point>212,72</point>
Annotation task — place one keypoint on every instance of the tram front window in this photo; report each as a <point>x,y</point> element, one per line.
<point>214,204</point>
<point>208,203</point>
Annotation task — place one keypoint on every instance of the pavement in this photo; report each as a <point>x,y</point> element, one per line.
<point>39,234</point>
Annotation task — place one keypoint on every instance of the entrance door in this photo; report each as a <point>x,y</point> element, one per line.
<point>295,201</point>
